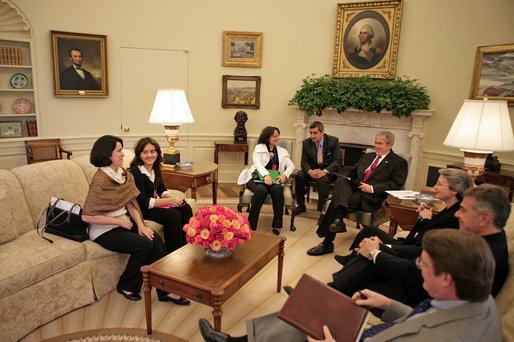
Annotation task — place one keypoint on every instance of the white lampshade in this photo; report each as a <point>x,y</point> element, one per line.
<point>171,107</point>
<point>482,126</point>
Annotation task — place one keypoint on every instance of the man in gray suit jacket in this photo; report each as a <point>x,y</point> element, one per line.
<point>457,268</point>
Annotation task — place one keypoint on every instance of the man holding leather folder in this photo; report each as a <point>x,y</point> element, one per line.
<point>457,268</point>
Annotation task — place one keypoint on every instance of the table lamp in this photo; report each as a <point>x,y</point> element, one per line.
<point>481,128</point>
<point>171,110</point>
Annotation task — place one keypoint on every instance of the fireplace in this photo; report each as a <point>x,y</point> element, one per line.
<point>352,153</point>
<point>359,128</point>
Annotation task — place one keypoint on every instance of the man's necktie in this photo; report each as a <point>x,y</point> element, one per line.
<point>422,307</point>
<point>372,167</point>
<point>319,155</point>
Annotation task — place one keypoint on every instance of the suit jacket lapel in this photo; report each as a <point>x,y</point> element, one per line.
<point>366,162</point>
<point>413,325</point>
<point>384,163</point>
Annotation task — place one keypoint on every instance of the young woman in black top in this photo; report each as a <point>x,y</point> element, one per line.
<point>156,203</point>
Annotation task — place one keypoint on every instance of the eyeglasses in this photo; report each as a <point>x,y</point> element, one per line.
<point>420,263</point>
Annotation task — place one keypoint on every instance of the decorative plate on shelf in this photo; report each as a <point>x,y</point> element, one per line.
<point>19,80</point>
<point>21,106</point>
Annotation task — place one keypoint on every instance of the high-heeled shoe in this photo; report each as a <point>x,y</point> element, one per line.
<point>132,296</point>
<point>180,301</point>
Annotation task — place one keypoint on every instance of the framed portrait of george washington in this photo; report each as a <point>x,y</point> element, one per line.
<point>492,75</point>
<point>367,37</point>
<point>79,64</point>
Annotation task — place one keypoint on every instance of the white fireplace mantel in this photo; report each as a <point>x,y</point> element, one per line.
<point>356,126</point>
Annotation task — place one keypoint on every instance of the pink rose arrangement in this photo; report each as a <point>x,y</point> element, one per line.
<point>217,227</point>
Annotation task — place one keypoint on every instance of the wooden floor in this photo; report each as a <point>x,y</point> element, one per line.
<point>258,297</point>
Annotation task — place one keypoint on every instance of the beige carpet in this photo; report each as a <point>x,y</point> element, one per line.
<point>115,335</point>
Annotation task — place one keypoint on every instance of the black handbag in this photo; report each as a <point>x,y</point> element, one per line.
<point>64,219</point>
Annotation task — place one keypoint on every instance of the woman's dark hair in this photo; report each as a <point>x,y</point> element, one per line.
<point>266,133</point>
<point>140,146</point>
<point>102,150</point>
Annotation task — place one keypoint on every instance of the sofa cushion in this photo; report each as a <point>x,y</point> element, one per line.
<point>90,170</point>
<point>58,178</point>
<point>28,259</point>
<point>15,212</point>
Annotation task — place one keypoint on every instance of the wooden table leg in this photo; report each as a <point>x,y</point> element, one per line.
<point>280,265</point>
<point>215,188</point>
<point>217,313</point>
<point>216,154</point>
<point>147,290</point>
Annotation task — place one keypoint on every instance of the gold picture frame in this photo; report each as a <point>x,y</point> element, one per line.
<point>242,49</point>
<point>374,54</point>
<point>241,92</point>
<point>79,64</point>
<point>492,74</point>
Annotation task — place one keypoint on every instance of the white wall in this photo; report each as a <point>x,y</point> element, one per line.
<point>438,42</point>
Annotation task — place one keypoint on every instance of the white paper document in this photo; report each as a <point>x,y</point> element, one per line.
<point>403,194</point>
<point>63,205</point>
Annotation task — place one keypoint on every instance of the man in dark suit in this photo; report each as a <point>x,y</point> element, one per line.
<point>391,270</point>
<point>321,159</point>
<point>75,77</point>
<point>363,187</point>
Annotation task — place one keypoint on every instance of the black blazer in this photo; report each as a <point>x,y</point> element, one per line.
<point>332,156</point>
<point>146,188</point>
<point>71,80</point>
<point>390,174</point>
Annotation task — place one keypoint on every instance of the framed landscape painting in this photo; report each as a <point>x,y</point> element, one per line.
<point>367,37</point>
<point>242,49</point>
<point>492,75</point>
<point>241,91</point>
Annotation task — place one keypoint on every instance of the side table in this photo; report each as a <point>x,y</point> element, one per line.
<point>403,212</point>
<point>202,173</point>
<point>228,146</point>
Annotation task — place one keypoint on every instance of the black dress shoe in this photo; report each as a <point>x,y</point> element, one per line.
<point>300,209</point>
<point>343,259</point>
<point>209,334</point>
<point>276,231</point>
<point>180,301</point>
<point>133,296</point>
<point>338,226</point>
<point>288,289</point>
<point>320,250</point>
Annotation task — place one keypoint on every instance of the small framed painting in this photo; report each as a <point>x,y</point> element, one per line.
<point>492,75</point>
<point>242,49</point>
<point>11,129</point>
<point>241,91</point>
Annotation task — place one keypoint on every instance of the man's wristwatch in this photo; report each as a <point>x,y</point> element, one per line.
<point>372,254</point>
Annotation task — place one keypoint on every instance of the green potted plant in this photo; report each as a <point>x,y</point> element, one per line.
<point>401,96</point>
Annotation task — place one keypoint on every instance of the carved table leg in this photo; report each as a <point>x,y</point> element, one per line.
<point>216,313</point>
<point>147,290</point>
<point>280,264</point>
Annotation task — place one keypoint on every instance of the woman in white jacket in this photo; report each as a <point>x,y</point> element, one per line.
<point>267,155</point>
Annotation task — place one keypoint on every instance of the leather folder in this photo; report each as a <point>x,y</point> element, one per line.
<point>313,304</point>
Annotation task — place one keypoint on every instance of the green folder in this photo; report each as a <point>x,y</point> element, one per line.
<point>273,173</point>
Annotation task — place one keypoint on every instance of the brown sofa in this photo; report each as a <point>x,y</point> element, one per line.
<point>40,281</point>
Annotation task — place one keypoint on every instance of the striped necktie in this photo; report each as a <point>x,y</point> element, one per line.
<point>319,155</point>
<point>422,307</point>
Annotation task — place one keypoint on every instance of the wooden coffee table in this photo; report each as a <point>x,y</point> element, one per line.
<point>190,273</point>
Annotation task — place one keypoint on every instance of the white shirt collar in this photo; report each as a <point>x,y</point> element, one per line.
<point>144,171</point>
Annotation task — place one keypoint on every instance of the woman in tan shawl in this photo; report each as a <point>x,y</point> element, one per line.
<point>112,195</point>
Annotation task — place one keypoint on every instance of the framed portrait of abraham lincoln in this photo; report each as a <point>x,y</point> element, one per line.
<point>367,39</point>
<point>79,64</point>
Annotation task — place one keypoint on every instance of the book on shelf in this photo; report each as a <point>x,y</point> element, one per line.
<point>32,128</point>
<point>313,304</point>
<point>11,56</point>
